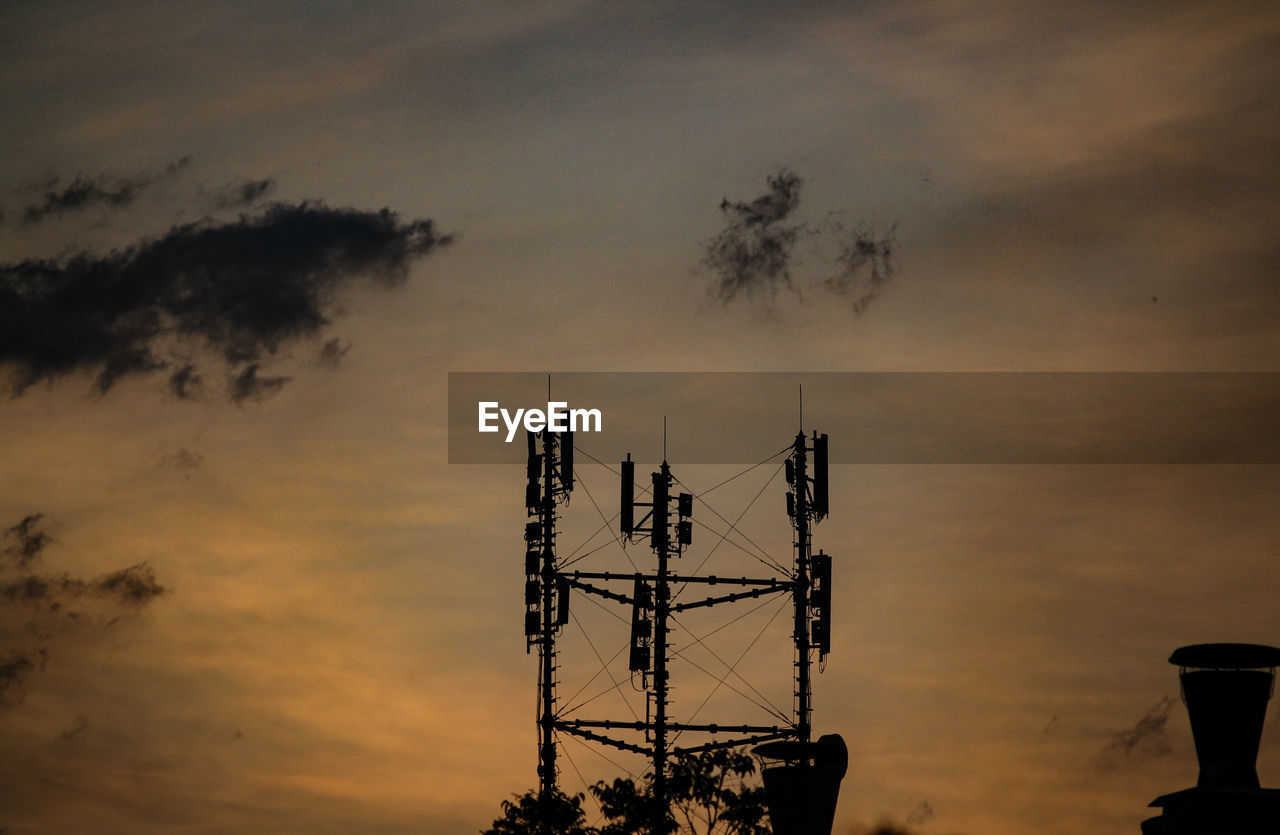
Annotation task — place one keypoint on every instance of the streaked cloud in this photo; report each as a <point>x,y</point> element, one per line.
<point>89,192</point>
<point>243,289</point>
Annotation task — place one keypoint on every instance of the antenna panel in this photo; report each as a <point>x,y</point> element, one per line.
<point>660,500</point>
<point>566,461</point>
<point>820,491</point>
<point>562,601</point>
<point>534,466</point>
<point>627,509</point>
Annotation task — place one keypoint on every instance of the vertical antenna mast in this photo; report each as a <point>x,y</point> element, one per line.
<point>661,611</point>
<point>657,726</point>
<point>801,633</point>
<point>546,649</point>
<point>550,479</point>
<point>807,505</point>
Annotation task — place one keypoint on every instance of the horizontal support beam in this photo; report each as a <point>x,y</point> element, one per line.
<point>590,589</point>
<point>681,578</point>
<point>733,743</point>
<point>616,743</point>
<point>728,598</point>
<point>608,724</point>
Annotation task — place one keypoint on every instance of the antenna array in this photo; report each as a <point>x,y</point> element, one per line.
<point>546,594</point>
<point>665,522</point>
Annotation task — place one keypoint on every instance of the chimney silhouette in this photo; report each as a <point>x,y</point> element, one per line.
<point>1226,688</point>
<point>802,783</point>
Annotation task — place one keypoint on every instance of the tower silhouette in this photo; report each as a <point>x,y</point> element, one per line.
<point>664,521</point>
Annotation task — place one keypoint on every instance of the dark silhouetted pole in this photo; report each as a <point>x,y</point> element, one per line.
<point>662,608</point>
<point>550,479</point>
<point>801,633</point>
<point>547,652</point>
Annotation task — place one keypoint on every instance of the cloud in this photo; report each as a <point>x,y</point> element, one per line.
<point>1147,739</point>
<point>242,289</point>
<point>333,352</point>
<point>183,460</point>
<point>185,382</point>
<point>754,255</point>
<point>43,609</point>
<point>922,813</point>
<point>28,540</point>
<point>103,190</point>
<point>863,265</point>
<point>132,586</point>
<point>15,667</point>
<point>78,727</point>
<point>243,193</point>
<point>249,385</point>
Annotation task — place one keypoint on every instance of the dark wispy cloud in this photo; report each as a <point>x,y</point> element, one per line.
<point>76,728</point>
<point>185,382</point>
<point>26,540</point>
<point>243,193</point>
<point>183,460</point>
<point>862,266</point>
<point>333,351</point>
<point>241,289</point>
<point>250,385</point>
<point>755,255</point>
<point>134,585</point>
<point>131,586</point>
<point>1147,739</point>
<point>15,667</point>
<point>37,609</point>
<point>922,813</point>
<point>103,190</point>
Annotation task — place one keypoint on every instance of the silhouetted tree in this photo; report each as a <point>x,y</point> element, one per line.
<point>707,794</point>
<point>558,814</point>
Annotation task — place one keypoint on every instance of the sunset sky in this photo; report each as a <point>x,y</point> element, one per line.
<point>318,627</point>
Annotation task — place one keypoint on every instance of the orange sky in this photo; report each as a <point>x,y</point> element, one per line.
<point>1082,187</point>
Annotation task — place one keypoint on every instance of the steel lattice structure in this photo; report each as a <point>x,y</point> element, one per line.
<point>666,522</point>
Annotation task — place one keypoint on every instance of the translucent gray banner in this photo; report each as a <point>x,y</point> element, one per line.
<point>884,418</point>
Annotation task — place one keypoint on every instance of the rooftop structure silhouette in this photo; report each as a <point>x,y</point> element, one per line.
<point>1226,688</point>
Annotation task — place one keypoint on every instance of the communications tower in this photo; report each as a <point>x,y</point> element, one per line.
<point>664,520</point>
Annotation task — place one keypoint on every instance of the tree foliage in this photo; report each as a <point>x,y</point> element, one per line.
<point>529,814</point>
<point>707,794</point>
